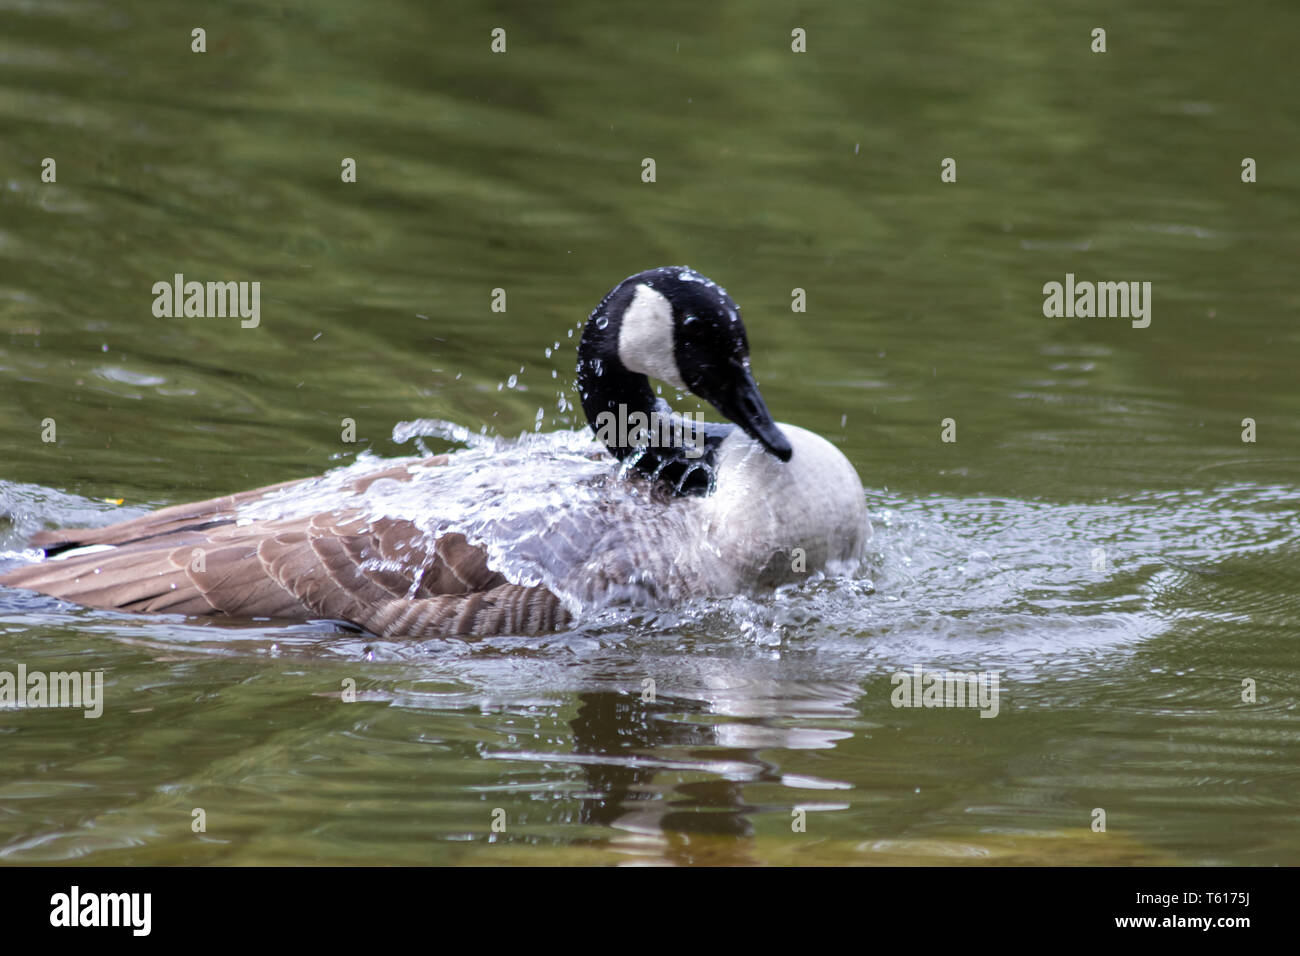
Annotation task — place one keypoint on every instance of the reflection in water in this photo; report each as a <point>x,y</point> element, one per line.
<point>623,791</point>
<point>704,761</point>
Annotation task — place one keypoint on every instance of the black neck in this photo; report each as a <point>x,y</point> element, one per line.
<point>607,389</point>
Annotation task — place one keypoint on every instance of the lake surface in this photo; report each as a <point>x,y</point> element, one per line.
<point>1099,534</point>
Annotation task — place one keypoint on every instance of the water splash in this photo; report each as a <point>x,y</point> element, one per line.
<point>1038,587</point>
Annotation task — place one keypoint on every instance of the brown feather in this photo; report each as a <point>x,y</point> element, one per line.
<point>380,575</point>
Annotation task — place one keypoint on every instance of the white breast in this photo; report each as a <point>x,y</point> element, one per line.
<point>764,508</point>
<point>767,523</point>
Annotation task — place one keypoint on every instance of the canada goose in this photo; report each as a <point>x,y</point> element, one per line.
<point>391,548</point>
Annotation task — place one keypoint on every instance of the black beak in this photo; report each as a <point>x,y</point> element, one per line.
<point>741,401</point>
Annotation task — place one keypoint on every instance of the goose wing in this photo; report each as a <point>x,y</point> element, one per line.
<point>379,574</point>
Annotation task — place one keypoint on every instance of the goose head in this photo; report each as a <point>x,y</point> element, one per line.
<point>675,325</point>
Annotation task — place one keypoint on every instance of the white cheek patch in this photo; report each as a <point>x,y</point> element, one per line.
<point>645,339</point>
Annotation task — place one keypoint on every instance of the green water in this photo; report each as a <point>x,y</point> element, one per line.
<point>1121,683</point>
